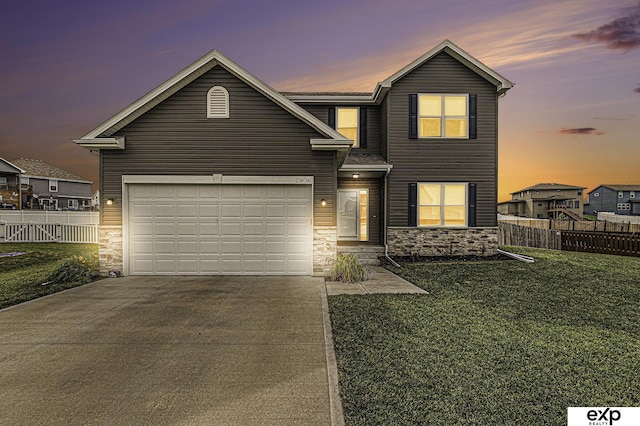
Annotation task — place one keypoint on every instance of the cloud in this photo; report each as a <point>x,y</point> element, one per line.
<point>622,33</point>
<point>581,131</point>
<point>637,89</point>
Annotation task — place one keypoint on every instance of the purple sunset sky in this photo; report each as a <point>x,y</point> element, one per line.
<point>573,116</point>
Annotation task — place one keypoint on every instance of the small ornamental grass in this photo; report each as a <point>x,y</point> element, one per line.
<point>78,269</point>
<point>348,269</point>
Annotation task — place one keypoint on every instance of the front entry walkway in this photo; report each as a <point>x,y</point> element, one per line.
<point>170,350</point>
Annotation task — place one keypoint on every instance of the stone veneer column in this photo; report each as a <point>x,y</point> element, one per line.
<point>410,241</point>
<point>110,249</point>
<point>325,244</point>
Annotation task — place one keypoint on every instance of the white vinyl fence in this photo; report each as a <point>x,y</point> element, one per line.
<point>47,233</point>
<point>44,216</point>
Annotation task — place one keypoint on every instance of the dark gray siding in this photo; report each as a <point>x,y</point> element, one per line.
<point>373,124</point>
<point>375,207</point>
<point>258,138</point>
<point>384,128</point>
<point>447,160</point>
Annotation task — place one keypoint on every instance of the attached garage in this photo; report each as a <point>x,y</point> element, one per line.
<point>197,227</point>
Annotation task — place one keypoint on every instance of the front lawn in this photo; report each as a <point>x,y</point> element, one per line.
<point>500,342</point>
<point>21,277</point>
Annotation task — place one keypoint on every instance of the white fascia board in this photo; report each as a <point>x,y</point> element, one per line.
<point>366,167</point>
<point>55,178</point>
<point>333,99</point>
<point>211,179</point>
<point>101,143</point>
<point>503,86</point>
<point>330,144</point>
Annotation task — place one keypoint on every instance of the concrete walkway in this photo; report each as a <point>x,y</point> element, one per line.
<point>380,281</point>
<point>174,350</point>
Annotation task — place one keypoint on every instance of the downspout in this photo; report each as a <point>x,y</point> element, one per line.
<point>384,222</point>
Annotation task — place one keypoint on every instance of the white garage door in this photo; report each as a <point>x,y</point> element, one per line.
<point>219,229</point>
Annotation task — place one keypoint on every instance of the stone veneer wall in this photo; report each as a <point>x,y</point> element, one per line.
<point>410,241</point>
<point>324,248</point>
<point>110,249</point>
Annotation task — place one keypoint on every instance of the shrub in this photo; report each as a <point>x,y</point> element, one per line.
<point>79,269</point>
<point>348,269</point>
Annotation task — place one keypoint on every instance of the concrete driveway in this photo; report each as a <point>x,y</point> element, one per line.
<point>170,350</point>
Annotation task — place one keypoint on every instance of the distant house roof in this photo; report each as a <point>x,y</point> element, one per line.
<point>618,187</point>
<point>548,187</point>
<point>8,167</point>
<point>38,168</point>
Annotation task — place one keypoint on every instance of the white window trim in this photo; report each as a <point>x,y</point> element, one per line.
<point>443,116</point>
<point>57,184</point>
<point>620,194</point>
<point>356,142</point>
<point>632,194</point>
<point>72,203</point>
<point>210,112</point>
<point>442,185</point>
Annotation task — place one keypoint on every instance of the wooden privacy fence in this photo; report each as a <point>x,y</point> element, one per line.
<point>47,233</point>
<point>515,235</point>
<point>572,225</point>
<point>617,243</point>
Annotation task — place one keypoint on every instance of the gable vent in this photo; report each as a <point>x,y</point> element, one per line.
<point>217,102</point>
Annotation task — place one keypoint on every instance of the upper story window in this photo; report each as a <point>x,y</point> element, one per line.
<point>442,204</point>
<point>443,116</point>
<point>596,194</point>
<point>347,124</point>
<point>217,102</point>
<point>53,185</point>
<point>632,194</point>
<point>24,180</point>
<point>620,194</point>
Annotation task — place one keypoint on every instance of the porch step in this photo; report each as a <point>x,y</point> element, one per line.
<point>366,255</point>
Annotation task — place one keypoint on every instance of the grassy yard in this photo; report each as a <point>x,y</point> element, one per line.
<point>499,342</point>
<point>21,277</point>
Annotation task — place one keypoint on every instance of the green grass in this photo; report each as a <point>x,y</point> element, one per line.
<point>21,277</point>
<point>500,342</point>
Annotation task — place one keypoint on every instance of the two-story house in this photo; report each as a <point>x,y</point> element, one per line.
<point>215,172</point>
<point>618,199</point>
<point>52,188</point>
<point>546,201</point>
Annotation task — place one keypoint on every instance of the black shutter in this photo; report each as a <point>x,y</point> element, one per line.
<point>413,204</point>
<point>413,116</point>
<point>332,117</point>
<point>472,204</point>
<point>363,128</point>
<point>473,116</point>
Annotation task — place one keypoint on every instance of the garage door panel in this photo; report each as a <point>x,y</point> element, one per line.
<point>219,229</point>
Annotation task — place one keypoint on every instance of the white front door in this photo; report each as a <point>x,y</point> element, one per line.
<point>353,214</point>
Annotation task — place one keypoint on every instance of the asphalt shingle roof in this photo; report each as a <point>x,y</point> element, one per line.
<point>40,168</point>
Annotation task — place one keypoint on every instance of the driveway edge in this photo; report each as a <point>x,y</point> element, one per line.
<point>335,403</point>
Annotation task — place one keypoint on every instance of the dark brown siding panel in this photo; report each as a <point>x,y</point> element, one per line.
<point>432,160</point>
<point>375,207</point>
<point>258,138</point>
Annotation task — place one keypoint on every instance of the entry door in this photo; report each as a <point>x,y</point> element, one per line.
<point>353,214</point>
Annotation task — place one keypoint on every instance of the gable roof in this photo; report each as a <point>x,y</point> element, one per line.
<point>38,168</point>
<point>101,136</point>
<point>548,187</point>
<point>9,167</point>
<point>502,84</point>
<point>618,187</point>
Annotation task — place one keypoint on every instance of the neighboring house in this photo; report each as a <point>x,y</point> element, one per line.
<point>10,191</point>
<point>546,201</point>
<point>618,199</point>
<point>215,172</point>
<point>95,200</point>
<point>51,188</point>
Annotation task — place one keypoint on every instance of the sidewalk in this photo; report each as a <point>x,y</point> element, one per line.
<point>380,281</point>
